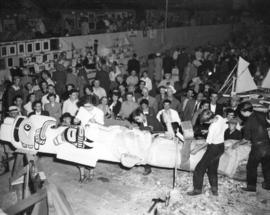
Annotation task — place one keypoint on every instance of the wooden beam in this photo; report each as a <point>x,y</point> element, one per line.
<point>26,203</point>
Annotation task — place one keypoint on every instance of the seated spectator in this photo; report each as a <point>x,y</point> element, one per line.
<point>73,78</point>
<point>119,80</point>
<point>46,76</point>
<point>66,119</point>
<point>70,105</point>
<point>167,81</point>
<point>18,102</point>
<point>53,107</point>
<point>115,104</point>
<point>204,105</point>
<point>122,92</point>
<point>161,96</point>
<point>230,114</point>
<point>37,109</point>
<point>152,101</point>
<point>216,108</point>
<point>144,106</point>
<point>13,91</point>
<point>28,106</point>
<point>128,106</point>
<point>140,87</point>
<point>167,116</point>
<point>65,95</point>
<point>175,104</point>
<point>103,105</point>
<point>88,91</point>
<point>184,100</point>
<point>43,90</point>
<point>192,107</point>
<point>147,80</point>
<point>51,90</point>
<point>98,90</point>
<point>132,89</point>
<point>28,88</point>
<point>13,112</point>
<point>26,77</point>
<point>232,133</point>
<point>132,79</point>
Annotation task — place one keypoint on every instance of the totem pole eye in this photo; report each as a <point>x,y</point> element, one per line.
<point>27,127</point>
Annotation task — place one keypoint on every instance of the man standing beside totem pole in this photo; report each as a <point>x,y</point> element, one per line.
<point>255,131</point>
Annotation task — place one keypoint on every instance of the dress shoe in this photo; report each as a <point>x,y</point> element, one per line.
<point>194,193</point>
<point>249,189</point>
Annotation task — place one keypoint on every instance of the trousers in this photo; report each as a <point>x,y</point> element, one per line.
<point>208,164</point>
<point>260,153</point>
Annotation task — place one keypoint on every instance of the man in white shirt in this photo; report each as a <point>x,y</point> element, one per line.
<point>70,105</point>
<point>167,116</point>
<point>51,90</point>
<point>98,90</point>
<point>210,160</point>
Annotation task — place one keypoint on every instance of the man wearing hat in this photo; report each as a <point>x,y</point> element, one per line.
<point>13,111</point>
<point>255,131</point>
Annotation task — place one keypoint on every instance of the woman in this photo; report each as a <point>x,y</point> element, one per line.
<point>132,79</point>
<point>103,105</point>
<point>53,107</point>
<point>28,106</point>
<point>115,104</point>
<point>147,80</point>
<point>88,113</point>
<point>88,91</point>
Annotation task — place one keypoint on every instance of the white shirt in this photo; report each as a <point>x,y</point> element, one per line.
<point>213,107</point>
<point>28,108</point>
<point>100,92</point>
<point>85,116</point>
<point>44,100</point>
<point>169,116</point>
<point>216,130</point>
<point>70,107</point>
<point>148,83</point>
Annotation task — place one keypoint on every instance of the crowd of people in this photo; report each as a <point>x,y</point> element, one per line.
<point>175,86</point>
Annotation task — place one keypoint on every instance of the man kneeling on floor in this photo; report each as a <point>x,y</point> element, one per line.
<point>210,160</point>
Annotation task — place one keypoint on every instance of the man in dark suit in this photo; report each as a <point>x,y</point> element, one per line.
<point>134,64</point>
<point>37,107</point>
<point>103,76</point>
<point>216,108</point>
<point>149,123</point>
<point>191,107</point>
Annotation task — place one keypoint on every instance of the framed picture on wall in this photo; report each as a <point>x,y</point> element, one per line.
<point>37,47</point>
<point>11,50</point>
<point>4,52</point>
<point>21,48</point>
<point>46,45</point>
<point>29,48</point>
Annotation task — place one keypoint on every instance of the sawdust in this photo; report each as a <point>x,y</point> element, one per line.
<point>118,191</point>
